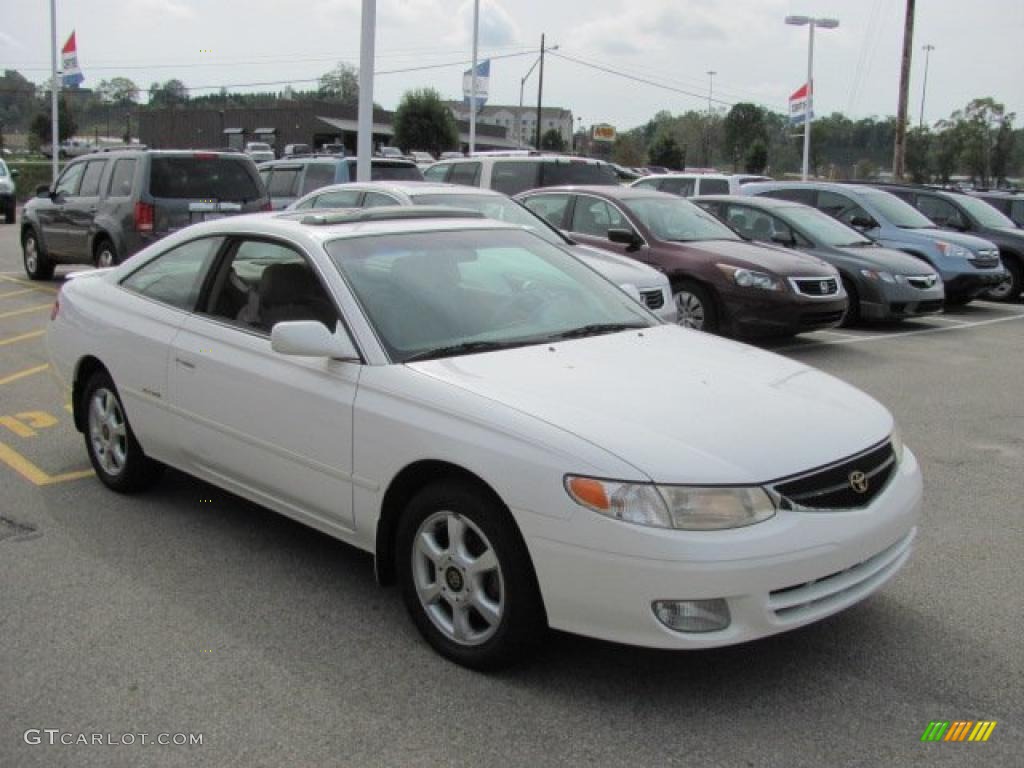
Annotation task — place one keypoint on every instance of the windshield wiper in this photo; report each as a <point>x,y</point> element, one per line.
<point>594,329</point>
<point>466,347</point>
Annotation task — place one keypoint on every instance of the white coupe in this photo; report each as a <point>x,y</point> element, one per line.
<point>519,444</point>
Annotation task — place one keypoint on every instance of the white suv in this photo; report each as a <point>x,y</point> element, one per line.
<point>513,174</point>
<point>693,184</point>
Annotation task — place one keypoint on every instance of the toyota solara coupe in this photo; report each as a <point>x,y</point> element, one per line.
<point>518,443</point>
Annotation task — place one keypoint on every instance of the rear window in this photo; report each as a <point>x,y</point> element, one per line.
<point>395,172</point>
<point>283,182</point>
<point>198,178</point>
<point>714,187</point>
<point>318,175</point>
<point>513,178</point>
<point>557,174</point>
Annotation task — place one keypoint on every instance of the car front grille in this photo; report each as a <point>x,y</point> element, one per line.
<point>820,319</point>
<point>819,596</point>
<point>653,299</point>
<point>848,484</point>
<point>922,282</point>
<point>816,286</point>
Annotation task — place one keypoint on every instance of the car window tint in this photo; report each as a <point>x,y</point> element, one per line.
<point>742,218</point>
<point>175,276</point>
<point>515,177</point>
<point>283,182</point>
<point>121,178</point>
<point>714,187</point>
<point>551,208</point>
<point>841,207</point>
<point>681,187</point>
<point>1017,212</point>
<point>555,174</point>
<point>67,184</point>
<point>317,175</point>
<point>395,170</point>
<point>593,217</point>
<point>264,283</point>
<point>805,196</point>
<point>942,212</point>
<point>347,198</point>
<point>91,178</point>
<point>437,172</point>
<point>647,183</point>
<point>376,200</point>
<point>202,177</point>
<point>466,173</point>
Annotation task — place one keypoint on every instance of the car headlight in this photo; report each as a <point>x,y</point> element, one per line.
<point>683,507</point>
<point>952,250</point>
<point>897,444</point>
<point>875,274</point>
<point>748,278</point>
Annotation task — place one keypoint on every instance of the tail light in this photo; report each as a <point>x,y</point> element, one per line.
<point>144,217</point>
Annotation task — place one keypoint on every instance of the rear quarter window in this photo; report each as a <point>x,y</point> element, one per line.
<point>121,178</point>
<point>199,178</point>
<point>513,178</point>
<point>318,175</point>
<point>714,187</point>
<point>395,172</point>
<point>557,174</point>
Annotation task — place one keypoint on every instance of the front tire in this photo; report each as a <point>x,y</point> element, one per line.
<point>466,577</point>
<point>695,306</point>
<point>852,315</point>
<point>1010,288</point>
<point>115,454</point>
<point>38,265</point>
<point>105,255</point>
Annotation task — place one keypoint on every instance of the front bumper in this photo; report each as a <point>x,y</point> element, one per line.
<point>599,577</point>
<point>894,301</point>
<point>972,284</point>
<point>752,313</point>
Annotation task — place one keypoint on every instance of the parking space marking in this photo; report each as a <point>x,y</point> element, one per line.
<point>25,311</point>
<point>34,474</point>
<point>901,335</point>
<point>944,319</point>
<point>18,292</point>
<point>30,285</point>
<point>840,335</point>
<point>23,374</point>
<point>22,337</point>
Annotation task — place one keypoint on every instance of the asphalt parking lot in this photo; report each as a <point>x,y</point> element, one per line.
<point>188,610</point>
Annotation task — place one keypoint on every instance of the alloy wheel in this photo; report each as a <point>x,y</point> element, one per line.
<point>108,431</point>
<point>690,309</point>
<point>31,254</point>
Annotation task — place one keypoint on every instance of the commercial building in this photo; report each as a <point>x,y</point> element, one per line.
<point>519,122</point>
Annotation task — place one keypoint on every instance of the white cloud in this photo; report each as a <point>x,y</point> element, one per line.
<point>7,40</point>
<point>177,8</point>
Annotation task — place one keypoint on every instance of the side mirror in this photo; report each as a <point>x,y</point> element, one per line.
<point>310,338</point>
<point>43,190</point>
<point>625,237</point>
<point>863,222</point>
<point>781,238</point>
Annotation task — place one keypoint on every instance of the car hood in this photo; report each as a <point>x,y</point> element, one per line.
<point>888,260</point>
<point>681,406</point>
<point>781,261</point>
<point>619,269</point>
<point>957,238</point>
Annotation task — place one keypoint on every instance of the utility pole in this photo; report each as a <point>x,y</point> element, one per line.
<point>540,90</point>
<point>924,88</point>
<point>899,152</point>
<point>707,131</point>
<point>364,139</point>
<point>472,78</point>
<point>54,86</point>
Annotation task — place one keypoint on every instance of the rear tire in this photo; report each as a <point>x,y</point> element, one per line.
<point>105,254</point>
<point>115,454</point>
<point>38,265</point>
<point>1009,289</point>
<point>466,577</point>
<point>695,306</point>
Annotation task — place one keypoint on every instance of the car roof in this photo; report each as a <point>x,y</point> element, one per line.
<point>756,202</point>
<point>690,175</point>
<point>599,190</point>
<point>411,188</point>
<point>829,186</point>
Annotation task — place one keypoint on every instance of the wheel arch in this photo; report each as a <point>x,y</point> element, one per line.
<point>84,370</point>
<point>676,278</point>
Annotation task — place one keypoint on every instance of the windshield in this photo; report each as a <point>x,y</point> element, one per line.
<point>678,220</point>
<point>984,213</point>
<point>428,294</point>
<point>201,178</point>
<point>821,228</point>
<point>497,208</point>
<point>897,212</point>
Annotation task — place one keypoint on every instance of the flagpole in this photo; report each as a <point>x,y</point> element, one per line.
<point>472,79</point>
<point>55,84</point>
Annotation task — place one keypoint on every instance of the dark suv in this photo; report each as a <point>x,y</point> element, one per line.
<point>960,212</point>
<point>108,205</point>
<point>288,180</point>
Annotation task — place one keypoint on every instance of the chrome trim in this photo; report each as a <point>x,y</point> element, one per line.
<point>833,489</point>
<point>794,285</point>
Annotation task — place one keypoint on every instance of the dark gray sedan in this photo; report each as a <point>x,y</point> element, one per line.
<point>883,284</point>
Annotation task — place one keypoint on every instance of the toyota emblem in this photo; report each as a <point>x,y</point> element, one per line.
<point>859,481</point>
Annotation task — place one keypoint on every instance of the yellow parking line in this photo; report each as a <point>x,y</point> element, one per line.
<point>25,311</point>
<point>18,292</point>
<point>31,286</point>
<point>23,374</point>
<point>34,474</point>
<point>22,337</point>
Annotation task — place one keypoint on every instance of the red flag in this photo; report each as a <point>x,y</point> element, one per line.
<point>69,46</point>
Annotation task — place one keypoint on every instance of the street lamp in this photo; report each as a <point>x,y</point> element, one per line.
<point>522,85</point>
<point>924,88</point>
<point>811,23</point>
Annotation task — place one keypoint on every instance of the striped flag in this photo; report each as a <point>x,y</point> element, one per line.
<point>72,75</point>
<point>799,105</point>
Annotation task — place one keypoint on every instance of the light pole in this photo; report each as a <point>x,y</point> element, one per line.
<point>54,86</point>
<point>364,138</point>
<point>707,131</point>
<point>472,78</point>
<point>924,88</point>
<point>811,22</point>
<point>522,86</point>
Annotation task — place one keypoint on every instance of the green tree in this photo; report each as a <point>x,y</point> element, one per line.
<point>552,140</point>
<point>946,148</point>
<point>743,126</point>
<point>1002,149</point>
<point>665,150</point>
<point>424,122</point>
<point>17,99</point>
<point>628,150</point>
<point>341,84</point>
<point>171,93</point>
<point>42,125</point>
<point>918,155</point>
<point>118,90</point>
<point>756,159</point>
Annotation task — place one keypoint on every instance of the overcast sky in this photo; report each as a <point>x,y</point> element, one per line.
<point>675,42</point>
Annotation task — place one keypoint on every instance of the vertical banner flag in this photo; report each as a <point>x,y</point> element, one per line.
<point>798,105</point>
<point>72,75</point>
<point>483,80</point>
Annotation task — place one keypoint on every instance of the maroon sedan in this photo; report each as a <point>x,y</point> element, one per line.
<point>720,281</point>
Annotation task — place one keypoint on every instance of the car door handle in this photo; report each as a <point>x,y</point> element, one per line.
<point>185,363</point>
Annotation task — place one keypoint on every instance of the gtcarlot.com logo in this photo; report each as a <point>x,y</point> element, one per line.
<point>958,730</point>
<point>56,737</point>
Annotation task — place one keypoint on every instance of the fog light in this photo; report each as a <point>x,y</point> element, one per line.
<point>693,615</point>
